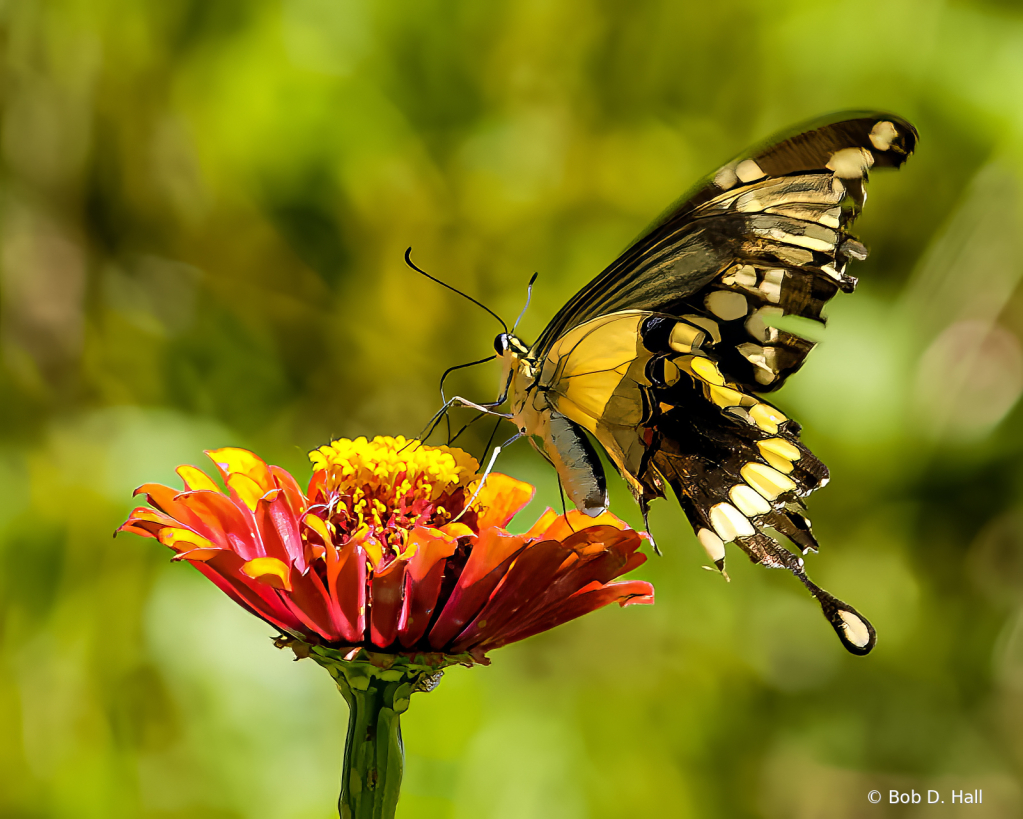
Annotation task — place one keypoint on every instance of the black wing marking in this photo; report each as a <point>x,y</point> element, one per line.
<point>764,236</point>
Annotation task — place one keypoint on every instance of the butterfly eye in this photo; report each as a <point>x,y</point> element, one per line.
<point>501,343</point>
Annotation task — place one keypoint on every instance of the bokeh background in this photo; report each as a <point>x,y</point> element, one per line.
<point>204,210</point>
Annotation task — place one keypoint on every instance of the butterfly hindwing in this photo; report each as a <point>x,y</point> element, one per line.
<point>648,388</point>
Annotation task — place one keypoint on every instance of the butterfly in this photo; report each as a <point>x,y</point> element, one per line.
<point>664,358</point>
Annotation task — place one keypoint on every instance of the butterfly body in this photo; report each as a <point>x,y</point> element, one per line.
<point>664,357</point>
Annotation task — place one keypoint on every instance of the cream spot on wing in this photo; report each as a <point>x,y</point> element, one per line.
<point>741,276</point>
<point>726,396</point>
<point>779,446</point>
<point>684,337</point>
<point>726,304</point>
<point>748,501</point>
<point>753,353</point>
<point>740,413</point>
<point>850,163</point>
<point>725,178</point>
<point>882,134</point>
<point>707,370</point>
<point>756,324</point>
<point>714,546</point>
<point>671,372</point>
<point>856,631</point>
<point>809,242</point>
<point>771,291</point>
<point>777,462</point>
<point>830,270</point>
<point>763,359</point>
<point>749,171</point>
<point>768,481</point>
<point>729,522</point>
<point>771,285</point>
<point>708,324</point>
<point>832,218</point>
<point>767,418</point>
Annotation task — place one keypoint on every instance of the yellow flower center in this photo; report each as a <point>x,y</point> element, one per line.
<point>393,482</point>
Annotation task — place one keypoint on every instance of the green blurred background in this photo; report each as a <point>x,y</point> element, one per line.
<point>204,209</point>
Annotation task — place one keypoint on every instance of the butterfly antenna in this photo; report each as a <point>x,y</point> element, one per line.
<point>408,261</point>
<point>529,295</point>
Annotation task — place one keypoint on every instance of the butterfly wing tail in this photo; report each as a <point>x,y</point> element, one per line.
<point>723,508</point>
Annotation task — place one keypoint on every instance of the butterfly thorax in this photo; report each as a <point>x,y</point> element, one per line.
<point>518,375</point>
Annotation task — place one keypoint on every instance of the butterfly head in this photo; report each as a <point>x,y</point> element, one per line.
<point>506,344</point>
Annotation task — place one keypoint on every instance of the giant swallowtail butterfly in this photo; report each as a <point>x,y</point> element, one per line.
<point>664,357</point>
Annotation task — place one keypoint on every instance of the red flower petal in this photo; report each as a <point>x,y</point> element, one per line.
<point>533,569</point>
<point>347,587</point>
<point>423,578</point>
<point>385,593</point>
<point>491,554</point>
<point>224,523</point>
<point>595,596</point>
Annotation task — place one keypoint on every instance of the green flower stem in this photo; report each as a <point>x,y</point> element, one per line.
<point>377,689</point>
<point>374,755</point>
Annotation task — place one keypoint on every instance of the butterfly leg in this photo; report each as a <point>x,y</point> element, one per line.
<point>458,401</point>
<point>486,473</point>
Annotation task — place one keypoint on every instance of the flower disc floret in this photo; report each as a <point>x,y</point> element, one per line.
<point>392,483</point>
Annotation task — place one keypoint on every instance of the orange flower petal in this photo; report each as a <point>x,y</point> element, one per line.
<point>559,527</point>
<point>319,526</point>
<point>146,522</point>
<point>533,569</point>
<point>500,499</point>
<point>196,479</point>
<point>183,540</point>
<point>234,461</point>
<point>245,489</point>
<point>457,529</point>
<point>202,555</point>
<point>269,570</point>
<point>292,491</point>
<point>348,591</point>
<point>543,523</point>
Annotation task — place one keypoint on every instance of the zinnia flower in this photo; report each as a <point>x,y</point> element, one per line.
<point>392,564</point>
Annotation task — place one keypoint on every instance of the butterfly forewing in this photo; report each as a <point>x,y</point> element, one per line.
<point>762,237</point>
